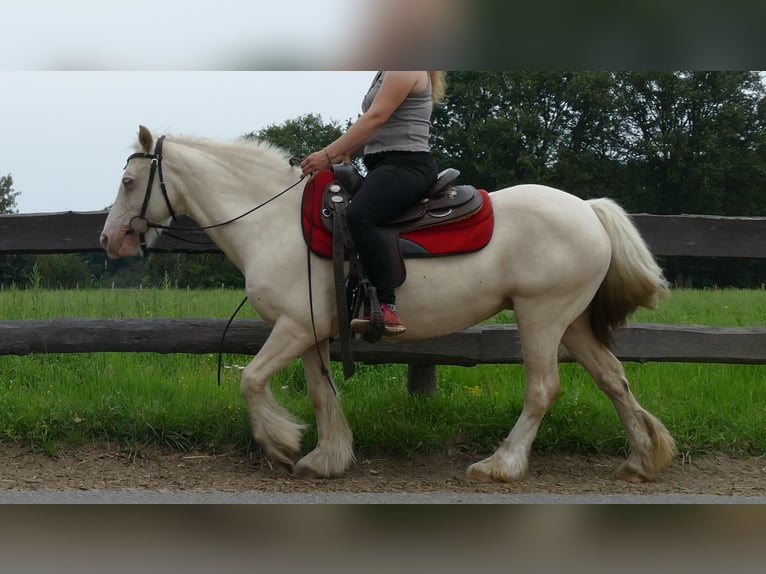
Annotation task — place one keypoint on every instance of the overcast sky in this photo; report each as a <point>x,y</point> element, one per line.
<point>65,135</point>
<point>77,77</point>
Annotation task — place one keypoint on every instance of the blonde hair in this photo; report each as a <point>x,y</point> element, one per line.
<point>438,85</point>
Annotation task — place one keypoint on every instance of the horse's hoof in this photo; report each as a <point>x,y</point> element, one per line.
<point>280,460</point>
<point>479,472</point>
<point>305,472</point>
<point>478,476</point>
<point>488,470</point>
<point>312,469</point>
<point>283,466</point>
<point>629,473</point>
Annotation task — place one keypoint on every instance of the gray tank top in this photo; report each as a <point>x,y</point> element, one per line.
<point>408,128</point>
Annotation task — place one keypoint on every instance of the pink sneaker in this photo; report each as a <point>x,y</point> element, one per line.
<point>392,323</point>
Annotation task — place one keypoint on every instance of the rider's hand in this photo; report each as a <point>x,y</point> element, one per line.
<point>317,161</point>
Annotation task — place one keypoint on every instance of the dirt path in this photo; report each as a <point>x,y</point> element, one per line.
<point>107,467</point>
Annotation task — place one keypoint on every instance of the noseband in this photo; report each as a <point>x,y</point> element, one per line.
<point>139,224</point>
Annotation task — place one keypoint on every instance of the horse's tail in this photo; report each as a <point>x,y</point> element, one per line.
<point>633,280</point>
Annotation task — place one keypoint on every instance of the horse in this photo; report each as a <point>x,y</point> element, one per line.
<point>571,270</point>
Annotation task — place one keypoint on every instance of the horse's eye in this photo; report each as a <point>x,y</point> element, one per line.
<point>128,182</point>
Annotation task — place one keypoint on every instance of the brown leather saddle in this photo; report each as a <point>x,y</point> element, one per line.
<point>443,203</point>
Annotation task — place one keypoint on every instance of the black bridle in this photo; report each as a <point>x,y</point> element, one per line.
<point>156,168</point>
<point>140,225</point>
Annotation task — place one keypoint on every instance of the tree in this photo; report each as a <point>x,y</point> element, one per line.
<point>694,144</point>
<point>204,271</point>
<point>13,268</point>
<point>300,136</point>
<point>690,140</point>
<point>657,142</point>
<point>589,157</point>
<point>472,130</point>
<point>62,271</point>
<point>505,128</point>
<point>7,194</point>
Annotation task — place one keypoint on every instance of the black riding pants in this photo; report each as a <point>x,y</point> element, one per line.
<point>395,180</point>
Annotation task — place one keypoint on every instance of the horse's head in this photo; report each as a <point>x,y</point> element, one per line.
<point>141,203</point>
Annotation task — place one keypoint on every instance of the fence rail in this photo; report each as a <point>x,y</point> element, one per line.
<point>667,235</point>
<point>489,344</point>
<point>672,235</point>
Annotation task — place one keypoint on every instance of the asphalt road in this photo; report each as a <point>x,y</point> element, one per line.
<point>166,497</point>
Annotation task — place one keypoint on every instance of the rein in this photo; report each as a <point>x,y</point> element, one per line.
<point>140,225</point>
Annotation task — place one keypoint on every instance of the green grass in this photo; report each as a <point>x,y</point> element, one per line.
<point>719,307</point>
<point>120,303</point>
<point>137,399</point>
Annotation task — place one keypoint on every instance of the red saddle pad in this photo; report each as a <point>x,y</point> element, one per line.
<point>464,236</point>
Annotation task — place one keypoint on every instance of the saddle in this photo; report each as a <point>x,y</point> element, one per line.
<point>448,220</point>
<point>441,205</point>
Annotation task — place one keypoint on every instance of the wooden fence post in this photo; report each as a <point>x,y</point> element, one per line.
<point>421,379</point>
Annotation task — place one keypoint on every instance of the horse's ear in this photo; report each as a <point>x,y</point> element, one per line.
<point>145,139</point>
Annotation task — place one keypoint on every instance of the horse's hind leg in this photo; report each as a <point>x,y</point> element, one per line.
<point>540,341</point>
<point>652,447</point>
<point>334,453</point>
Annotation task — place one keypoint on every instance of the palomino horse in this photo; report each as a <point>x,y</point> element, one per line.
<point>571,270</point>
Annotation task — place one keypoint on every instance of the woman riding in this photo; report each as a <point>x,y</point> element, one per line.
<point>394,132</point>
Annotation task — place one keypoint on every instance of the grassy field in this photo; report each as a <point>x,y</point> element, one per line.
<point>136,399</point>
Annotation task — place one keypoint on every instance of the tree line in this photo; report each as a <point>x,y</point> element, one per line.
<point>667,142</point>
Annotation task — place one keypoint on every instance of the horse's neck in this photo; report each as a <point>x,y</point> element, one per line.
<point>217,186</point>
<point>216,182</point>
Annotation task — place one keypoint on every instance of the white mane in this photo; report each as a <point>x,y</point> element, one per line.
<point>251,150</point>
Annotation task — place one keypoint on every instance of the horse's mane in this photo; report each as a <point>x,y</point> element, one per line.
<point>252,149</point>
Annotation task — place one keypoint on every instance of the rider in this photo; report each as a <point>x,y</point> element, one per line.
<point>394,131</point>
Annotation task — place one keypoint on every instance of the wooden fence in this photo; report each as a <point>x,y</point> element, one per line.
<point>678,235</point>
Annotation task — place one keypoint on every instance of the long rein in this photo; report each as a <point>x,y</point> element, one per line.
<point>145,225</point>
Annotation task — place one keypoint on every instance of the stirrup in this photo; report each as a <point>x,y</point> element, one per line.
<point>370,326</point>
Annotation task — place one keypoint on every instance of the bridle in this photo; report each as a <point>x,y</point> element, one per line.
<point>140,224</point>
<point>143,225</point>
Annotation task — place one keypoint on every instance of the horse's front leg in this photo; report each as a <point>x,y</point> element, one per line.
<point>334,452</point>
<point>276,430</point>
